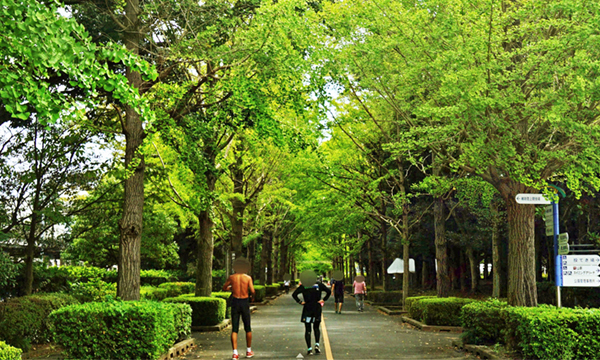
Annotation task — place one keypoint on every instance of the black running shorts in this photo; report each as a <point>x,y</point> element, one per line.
<point>240,307</point>
<point>339,298</point>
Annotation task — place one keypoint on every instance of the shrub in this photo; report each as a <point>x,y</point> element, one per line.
<point>117,329</point>
<point>443,311</point>
<point>542,332</point>
<point>411,300</point>
<point>417,309</point>
<point>206,311</point>
<point>155,293</point>
<point>182,315</point>
<point>8,352</point>
<point>483,321</point>
<point>178,288</point>
<point>93,290</point>
<point>271,290</point>
<point>156,277</point>
<point>260,292</point>
<point>24,320</point>
<point>389,297</point>
<point>225,296</point>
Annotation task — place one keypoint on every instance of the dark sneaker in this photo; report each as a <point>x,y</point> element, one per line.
<point>317,350</point>
<point>309,352</point>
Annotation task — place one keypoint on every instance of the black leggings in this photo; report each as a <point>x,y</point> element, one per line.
<point>316,327</point>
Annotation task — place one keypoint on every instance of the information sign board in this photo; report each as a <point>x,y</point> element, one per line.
<point>580,270</point>
<point>537,199</point>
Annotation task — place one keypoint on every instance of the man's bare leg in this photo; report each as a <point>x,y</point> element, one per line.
<point>234,336</point>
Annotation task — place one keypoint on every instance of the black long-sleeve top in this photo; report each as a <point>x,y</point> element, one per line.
<point>311,296</point>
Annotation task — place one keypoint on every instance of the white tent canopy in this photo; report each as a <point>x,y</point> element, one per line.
<point>397,266</point>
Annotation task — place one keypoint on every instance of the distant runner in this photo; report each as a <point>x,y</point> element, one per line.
<point>360,291</point>
<point>239,284</point>
<point>311,313</point>
<point>337,288</point>
<point>286,286</point>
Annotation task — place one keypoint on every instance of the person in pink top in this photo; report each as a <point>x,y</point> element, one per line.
<point>360,291</point>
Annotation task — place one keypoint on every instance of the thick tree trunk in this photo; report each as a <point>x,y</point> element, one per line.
<point>205,254</point>
<point>496,264</point>
<point>474,266</point>
<point>443,283</point>
<point>522,289</point>
<point>406,274</point>
<point>130,225</point>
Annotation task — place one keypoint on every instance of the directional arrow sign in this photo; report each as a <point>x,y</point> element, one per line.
<point>299,356</point>
<point>580,260</point>
<point>532,199</point>
<point>563,238</point>
<point>563,249</point>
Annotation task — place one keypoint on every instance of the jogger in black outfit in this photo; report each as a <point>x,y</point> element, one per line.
<point>311,313</point>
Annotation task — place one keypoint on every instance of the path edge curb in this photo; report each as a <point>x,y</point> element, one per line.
<point>225,323</point>
<point>432,328</point>
<point>481,351</point>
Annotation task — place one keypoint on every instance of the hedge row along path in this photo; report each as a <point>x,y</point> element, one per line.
<point>279,334</point>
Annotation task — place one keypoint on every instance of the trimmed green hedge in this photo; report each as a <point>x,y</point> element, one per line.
<point>444,311</point>
<point>206,311</point>
<point>179,287</point>
<point>119,329</point>
<point>24,320</point>
<point>8,352</point>
<point>547,332</point>
<point>260,292</point>
<point>272,290</point>
<point>389,297</point>
<point>225,296</point>
<point>484,322</point>
<point>155,294</point>
<point>413,299</point>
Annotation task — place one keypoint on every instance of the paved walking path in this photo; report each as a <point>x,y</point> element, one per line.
<point>279,334</point>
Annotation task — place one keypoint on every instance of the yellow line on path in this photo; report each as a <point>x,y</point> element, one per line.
<point>328,352</point>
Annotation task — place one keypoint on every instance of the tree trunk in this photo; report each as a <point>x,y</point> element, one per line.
<point>424,275</point>
<point>264,258</point>
<point>205,254</point>
<point>283,260</point>
<point>270,260</point>
<point>251,258</point>
<point>384,255</point>
<point>406,275</point>
<point>130,225</point>
<point>522,289</point>
<point>371,265</point>
<point>496,265</point>
<point>474,265</point>
<point>30,253</point>
<point>238,205</point>
<point>463,271</point>
<point>443,283</point>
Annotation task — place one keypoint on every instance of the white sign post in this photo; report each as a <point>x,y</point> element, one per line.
<point>534,199</point>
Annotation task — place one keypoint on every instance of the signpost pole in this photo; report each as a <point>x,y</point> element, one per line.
<point>557,258</point>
